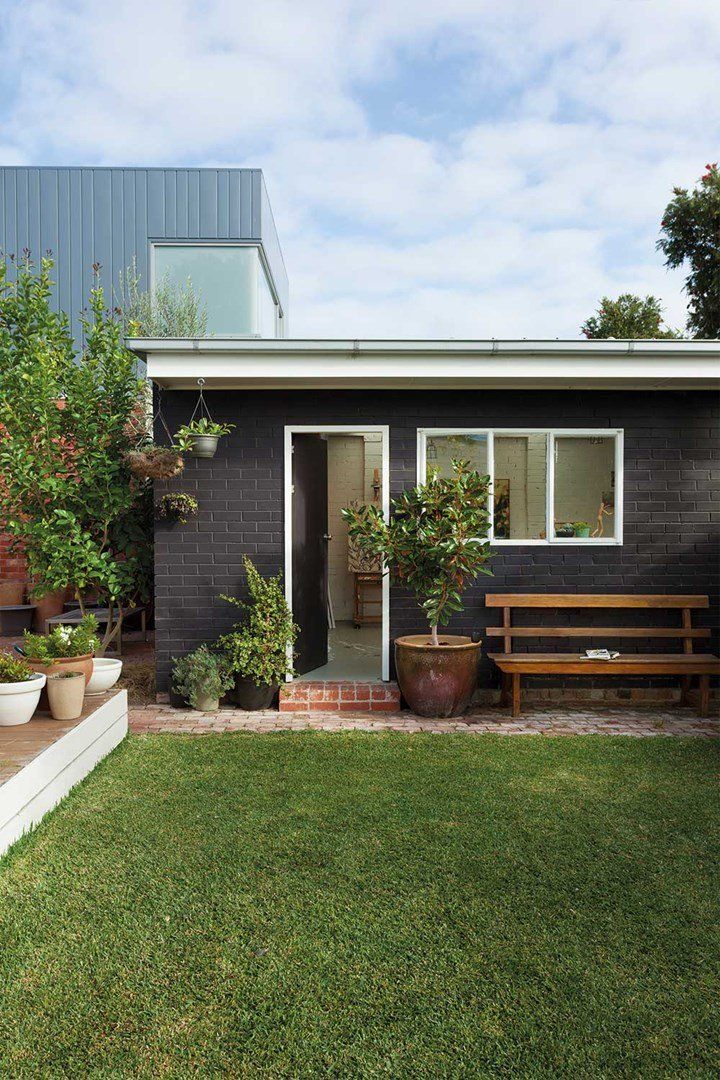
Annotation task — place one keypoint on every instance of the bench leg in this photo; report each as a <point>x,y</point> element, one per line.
<point>504,688</point>
<point>515,695</point>
<point>685,686</point>
<point>704,694</point>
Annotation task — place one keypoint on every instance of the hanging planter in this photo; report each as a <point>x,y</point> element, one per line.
<point>176,507</point>
<point>200,437</point>
<point>149,461</point>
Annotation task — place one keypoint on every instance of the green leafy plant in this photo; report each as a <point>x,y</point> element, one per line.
<point>176,506</point>
<point>628,317</point>
<point>202,673</point>
<point>186,435</point>
<point>62,641</point>
<point>13,670</point>
<point>580,525</point>
<point>690,236</point>
<point>170,310</point>
<point>260,647</point>
<point>68,497</point>
<point>436,540</point>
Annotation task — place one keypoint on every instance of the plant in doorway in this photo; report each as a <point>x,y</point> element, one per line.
<point>201,678</point>
<point>259,649</point>
<point>435,543</point>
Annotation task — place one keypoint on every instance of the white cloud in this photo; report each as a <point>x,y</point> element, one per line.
<point>508,207</point>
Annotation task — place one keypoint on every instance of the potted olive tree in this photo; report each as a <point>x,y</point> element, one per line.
<point>259,649</point>
<point>435,543</point>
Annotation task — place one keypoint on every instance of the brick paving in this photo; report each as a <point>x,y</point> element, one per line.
<point>537,720</point>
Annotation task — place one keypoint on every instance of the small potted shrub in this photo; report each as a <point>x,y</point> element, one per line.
<point>435,543</point>
<point>68,647</point>
<point>151,462</point>
<point>176,508</point>
<point>66,693</point>
<point>581,528</point>
<point>200,437</point>
<point>201,678</point>
<point>259,649</point>
<point>20,689</point>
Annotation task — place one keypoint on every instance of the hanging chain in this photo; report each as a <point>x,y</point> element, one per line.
<point>201,405</point>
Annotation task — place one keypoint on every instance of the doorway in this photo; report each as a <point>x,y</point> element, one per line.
<point>340,602</point>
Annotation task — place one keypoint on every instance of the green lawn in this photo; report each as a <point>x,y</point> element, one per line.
<point>305,905</point>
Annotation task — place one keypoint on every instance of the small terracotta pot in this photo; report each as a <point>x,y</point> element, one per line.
<point>46,606</point>
<point>437,680</point>
<point>11,593</point>
<point>66,695</point>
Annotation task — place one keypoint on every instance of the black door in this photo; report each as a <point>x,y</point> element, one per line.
<point>309,550</point>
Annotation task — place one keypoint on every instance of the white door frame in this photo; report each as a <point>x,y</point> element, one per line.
<point>340,429</point>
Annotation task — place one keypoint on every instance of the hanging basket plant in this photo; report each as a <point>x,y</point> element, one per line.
<point>151,462</point>
<point>200,437</point>
<point>176,507</point>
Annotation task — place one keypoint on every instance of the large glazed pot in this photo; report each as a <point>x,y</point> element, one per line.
<point>52,603</point>
<point>18,701</point>
<point>11,593</point>
<point>437,680</point>
<point>251,697</point>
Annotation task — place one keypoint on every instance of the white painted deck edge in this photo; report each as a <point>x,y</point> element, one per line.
<point>26,797</point>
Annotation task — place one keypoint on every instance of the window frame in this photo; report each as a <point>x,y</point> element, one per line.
<point>551,434</point>
<point>177,241</point>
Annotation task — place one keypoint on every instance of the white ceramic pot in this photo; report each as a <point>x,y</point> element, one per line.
<point>19,700</point>
<point>204,446</point>
<point>105,674</point>
<point>66,693</point>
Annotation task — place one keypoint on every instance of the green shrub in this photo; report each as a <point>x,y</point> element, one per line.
<point>63,641</point>
<point>258,648</point>
<point>176,506</point>
<point>168,311</point>
<point>14,670</point>
<point>201,674</point>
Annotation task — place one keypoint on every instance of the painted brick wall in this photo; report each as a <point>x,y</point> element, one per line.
<point>672,482</point>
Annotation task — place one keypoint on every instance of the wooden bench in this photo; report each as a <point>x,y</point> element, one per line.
<point>686,664</point>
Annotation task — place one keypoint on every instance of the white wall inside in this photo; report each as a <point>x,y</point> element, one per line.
<point>352,464</point>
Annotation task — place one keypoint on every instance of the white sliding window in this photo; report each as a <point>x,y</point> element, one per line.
<point>547,487</point>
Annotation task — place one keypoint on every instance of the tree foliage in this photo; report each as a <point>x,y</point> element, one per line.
<point>436,540</point>
<point>628,317</point>
<point>66,423</point>
<point>690,235</point>
<point>257,648</point>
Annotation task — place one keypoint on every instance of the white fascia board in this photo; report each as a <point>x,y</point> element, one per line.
<point>227,362</point>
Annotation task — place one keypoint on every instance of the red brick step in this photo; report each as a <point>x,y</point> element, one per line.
<point>343,696</point>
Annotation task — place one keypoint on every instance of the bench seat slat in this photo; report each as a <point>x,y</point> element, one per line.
<point>593,600</point>
<point>597,631</point>
<point>632,664</point>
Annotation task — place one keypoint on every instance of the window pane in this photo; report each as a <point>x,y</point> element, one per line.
<point>585,485</point>
<point>520,487</point>
<point>441,449</point>
<point>225,277</point>
<point>267,307</point>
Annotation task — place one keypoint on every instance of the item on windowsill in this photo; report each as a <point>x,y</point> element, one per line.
<point>105,673</point>
<point>601,654</point>
<point>176,508</point>
<point>201,678</point>
<point>259,649</point>
<point>20,689</point>
<point>581,528</point>
<point>605,509</point>
<point>66,693</point>
<point>564,529</point>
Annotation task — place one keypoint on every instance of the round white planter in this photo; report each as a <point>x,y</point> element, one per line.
<point>19,700</point>
<point>105,674</point>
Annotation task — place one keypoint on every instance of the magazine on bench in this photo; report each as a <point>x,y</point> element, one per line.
<point>600,654</point>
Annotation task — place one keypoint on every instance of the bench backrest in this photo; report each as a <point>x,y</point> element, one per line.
<point>684,604</point>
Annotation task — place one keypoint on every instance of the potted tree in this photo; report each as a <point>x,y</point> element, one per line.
<point>201,678</point>
<point>435,543</point>
<point>259,650</point>
<point>20,689</point>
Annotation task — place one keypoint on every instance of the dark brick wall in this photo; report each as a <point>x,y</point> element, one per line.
<point>672,477</point>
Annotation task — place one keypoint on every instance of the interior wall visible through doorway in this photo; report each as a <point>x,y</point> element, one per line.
<point>354,475</point>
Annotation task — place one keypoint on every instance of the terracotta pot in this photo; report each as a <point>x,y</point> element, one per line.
<point>66,693</point>
<point>65,663</point>
<point>437,680</point>
<point>46,606</point>
<point>11,593</point>
<point>249,696</point>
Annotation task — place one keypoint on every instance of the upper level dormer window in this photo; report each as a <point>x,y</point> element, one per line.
<point>230,279</point>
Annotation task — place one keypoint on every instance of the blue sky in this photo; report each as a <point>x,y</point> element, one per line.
<point>470,169</point>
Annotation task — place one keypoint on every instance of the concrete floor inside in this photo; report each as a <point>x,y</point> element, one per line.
<point>353,654</point>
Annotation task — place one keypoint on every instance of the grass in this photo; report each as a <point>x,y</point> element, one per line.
<point>306,905</point>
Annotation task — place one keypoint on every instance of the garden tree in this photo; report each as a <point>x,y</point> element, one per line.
<point>436,540</point>
<point>66,422</point>
<point>690,234</point>
<point>628,317</point>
